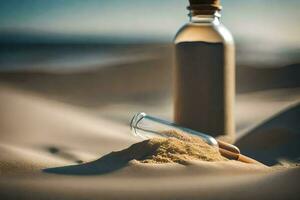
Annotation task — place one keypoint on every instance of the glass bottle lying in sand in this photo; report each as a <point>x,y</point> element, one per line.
<point>204,74</point>
<point>149,127</point>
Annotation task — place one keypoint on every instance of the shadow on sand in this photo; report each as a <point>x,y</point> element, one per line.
<point>276,139</point>
<point>108,163</point>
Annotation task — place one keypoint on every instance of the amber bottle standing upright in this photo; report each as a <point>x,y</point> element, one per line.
<point>204,74</point>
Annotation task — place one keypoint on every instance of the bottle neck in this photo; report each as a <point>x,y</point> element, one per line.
<point>213,18</point>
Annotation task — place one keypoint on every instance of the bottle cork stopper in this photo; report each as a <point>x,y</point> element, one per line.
<point>205,5</point>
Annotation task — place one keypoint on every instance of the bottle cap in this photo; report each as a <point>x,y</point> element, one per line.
<point>204,6</point>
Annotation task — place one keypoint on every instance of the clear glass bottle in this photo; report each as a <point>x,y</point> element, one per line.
<point>204,74</point>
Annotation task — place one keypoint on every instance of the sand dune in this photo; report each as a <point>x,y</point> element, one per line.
<point>57,132</point>
<point>37,128</point>
<point>51,134</point>
<point>276,138</point>
<point>140,80</point>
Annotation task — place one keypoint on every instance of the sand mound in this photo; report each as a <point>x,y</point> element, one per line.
<point>168,150</point>
<point>178,148</point>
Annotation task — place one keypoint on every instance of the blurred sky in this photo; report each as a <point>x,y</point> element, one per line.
<point>273,20</point>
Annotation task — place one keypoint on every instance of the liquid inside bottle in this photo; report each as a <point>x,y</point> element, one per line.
<point>204,74</point>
